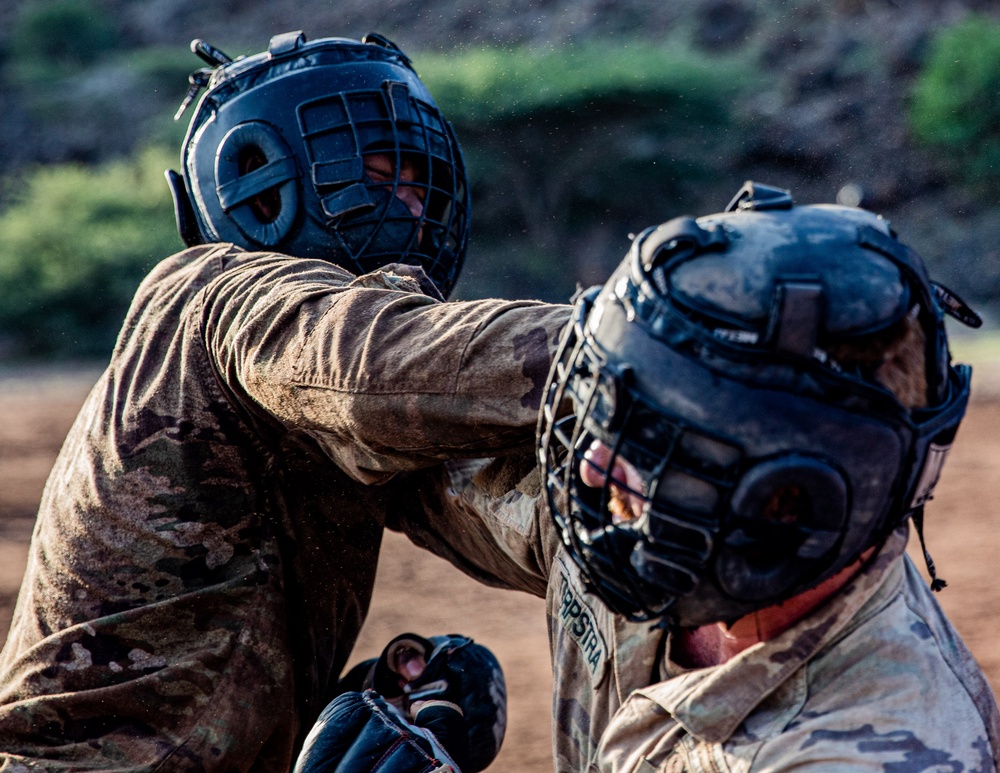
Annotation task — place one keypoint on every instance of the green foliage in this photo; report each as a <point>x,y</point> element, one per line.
<point>74,245</point>
<point>163,72</point>
<point>955,105</point>
<point>51,39</point>
<point>165,68</point>
<point>564,141</point>
<point>499,85</point>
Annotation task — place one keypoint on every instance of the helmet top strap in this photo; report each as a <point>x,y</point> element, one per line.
<point>285,43</point>
<point>796,317</point>
<point>680,237</point>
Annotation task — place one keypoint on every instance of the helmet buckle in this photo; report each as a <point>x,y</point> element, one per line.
<point>755,197</point>
<point>199,78</point>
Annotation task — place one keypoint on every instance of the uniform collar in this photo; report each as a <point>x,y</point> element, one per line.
<point>711,703</point>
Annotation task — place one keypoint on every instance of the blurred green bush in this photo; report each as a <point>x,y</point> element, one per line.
<point>74,245</point>
<point>66,63</point>
<point>494,85</point>
<point>565,146</point>
<point>955,103</point>
<point>52,39</point>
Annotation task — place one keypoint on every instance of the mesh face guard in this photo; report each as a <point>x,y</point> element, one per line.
<point>275,158</point>
<point>757,468</point>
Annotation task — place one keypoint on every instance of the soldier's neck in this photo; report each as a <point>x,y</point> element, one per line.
<point>716,643</point>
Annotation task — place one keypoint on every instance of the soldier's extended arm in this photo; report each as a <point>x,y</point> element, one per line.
<point>385,377</point>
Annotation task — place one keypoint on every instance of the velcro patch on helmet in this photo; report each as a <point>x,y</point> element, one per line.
<point>353,200</point>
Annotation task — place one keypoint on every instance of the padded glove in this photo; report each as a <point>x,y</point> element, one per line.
<point>361,733</point>
<point>460,680</point>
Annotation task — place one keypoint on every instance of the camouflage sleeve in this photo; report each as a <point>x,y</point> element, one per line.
<point>831,744</point>
<point>485,516</point>
<point>383,376</point>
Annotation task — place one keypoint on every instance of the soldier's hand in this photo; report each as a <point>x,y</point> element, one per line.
<point>361,733</point>
<point>448,685</point>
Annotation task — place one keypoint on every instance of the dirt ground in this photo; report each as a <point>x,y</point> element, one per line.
<point>417,592</point>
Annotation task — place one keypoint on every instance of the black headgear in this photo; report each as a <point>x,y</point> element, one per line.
<point>274,157</point>
<point>703,362</point>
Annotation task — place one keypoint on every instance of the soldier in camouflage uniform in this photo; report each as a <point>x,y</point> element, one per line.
<point>206,544</point>
<point>761,399</point>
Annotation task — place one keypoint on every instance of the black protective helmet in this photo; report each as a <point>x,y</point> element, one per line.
<point>275,152</point>
<point>704,363</point>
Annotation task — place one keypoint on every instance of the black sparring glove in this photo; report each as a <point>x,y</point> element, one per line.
<point>361,733</point>
<point>460,697</point>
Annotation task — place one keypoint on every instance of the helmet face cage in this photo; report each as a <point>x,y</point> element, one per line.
<point>686,475</point>
<point>366,217</point>
<point>755,473</point>
<point>278,157</point>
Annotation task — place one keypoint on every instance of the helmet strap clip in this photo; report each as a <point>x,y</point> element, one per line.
<point>937,584</point>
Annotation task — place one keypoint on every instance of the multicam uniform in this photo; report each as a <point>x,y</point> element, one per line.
<point>205,548</point>
<point>877,679</point>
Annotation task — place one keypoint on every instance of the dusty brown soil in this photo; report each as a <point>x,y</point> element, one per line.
<point>418,592</point>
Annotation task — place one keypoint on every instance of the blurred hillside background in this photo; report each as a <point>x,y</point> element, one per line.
<point>581,120</point>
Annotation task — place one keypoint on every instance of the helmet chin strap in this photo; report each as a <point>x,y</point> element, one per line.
<point>937,584</point>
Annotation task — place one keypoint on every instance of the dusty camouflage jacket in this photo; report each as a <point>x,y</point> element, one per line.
<point>877,679</point>
<point>206,547</point>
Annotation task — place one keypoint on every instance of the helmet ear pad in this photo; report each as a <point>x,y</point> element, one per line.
<point>788,518</point>
<point>257,182</point>
<point>184,217</point>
